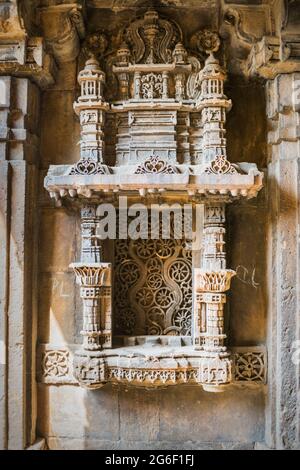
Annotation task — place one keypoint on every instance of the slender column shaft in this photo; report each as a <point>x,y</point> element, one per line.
<point>165,85</point>
<point>137,85</point>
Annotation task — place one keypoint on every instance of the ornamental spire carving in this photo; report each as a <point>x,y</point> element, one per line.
<point>152,39</point>
<point>91,107</point>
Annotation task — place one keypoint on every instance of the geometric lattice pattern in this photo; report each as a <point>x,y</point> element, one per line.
<point>153,287</point>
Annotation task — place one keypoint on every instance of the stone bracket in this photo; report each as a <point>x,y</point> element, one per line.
<point>272,56</point>
<point>27,58</point>
<point>63,27</point>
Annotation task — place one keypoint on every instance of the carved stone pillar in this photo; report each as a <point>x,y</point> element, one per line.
<point>91,108</point>
<point>96,329</point>
<point>94,278</point>
<point>211,281</point>
<point>19,116</point>
<point>90,247</point>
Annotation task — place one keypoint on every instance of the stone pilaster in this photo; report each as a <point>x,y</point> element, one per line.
<point>25,67</point>
<point>283,406</point>
<point>19,115</point>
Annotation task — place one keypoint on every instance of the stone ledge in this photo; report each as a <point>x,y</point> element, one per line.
<point>150,366</point>
<point>64,443</point>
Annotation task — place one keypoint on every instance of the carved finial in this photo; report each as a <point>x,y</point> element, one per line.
<point>212,69</point>
<point>91,64</point>
<point>123,54</point>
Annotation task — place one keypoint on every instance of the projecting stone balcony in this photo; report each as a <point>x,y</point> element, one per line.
<point>219,178</point>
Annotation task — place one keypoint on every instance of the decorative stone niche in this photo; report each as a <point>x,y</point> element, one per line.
<point>155,316</point>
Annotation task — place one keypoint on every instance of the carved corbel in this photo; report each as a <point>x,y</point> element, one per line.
<point>63,27</point>
<point>21,55</point>
<point>237,41</point>
<point>272,56</point>
<point>232,23</point>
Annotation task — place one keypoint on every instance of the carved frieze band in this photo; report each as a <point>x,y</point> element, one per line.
<point>55,367</point>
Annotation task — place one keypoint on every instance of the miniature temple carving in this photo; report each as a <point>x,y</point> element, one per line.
<point>153,130</point>
<point>91,107</point>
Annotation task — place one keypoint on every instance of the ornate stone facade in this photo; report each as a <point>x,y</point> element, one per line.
<point>157,82</point>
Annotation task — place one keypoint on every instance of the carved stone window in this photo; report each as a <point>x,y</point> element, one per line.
<point>161,120</point>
